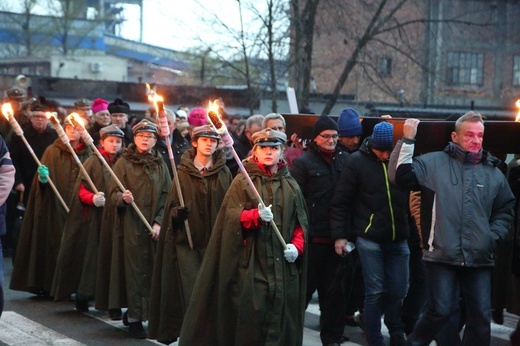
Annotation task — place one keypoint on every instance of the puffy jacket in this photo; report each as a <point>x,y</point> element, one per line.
<point>317,179</point>
<point>365,203</point>
<point>466,208</point>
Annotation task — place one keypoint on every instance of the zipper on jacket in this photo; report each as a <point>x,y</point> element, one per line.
<point>389,200</point>
<point>369,223</point>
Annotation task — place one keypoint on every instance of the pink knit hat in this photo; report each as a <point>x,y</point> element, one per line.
<point>197,117</point>
<point>99,105</point>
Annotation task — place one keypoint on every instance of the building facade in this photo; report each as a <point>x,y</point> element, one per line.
<point>427,53</point>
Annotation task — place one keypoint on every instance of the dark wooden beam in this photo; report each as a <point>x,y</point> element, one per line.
<point>500,137</point>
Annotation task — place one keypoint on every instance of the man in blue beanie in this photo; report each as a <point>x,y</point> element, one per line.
<point>368,209</point>
<point>317,172</point>
<point>349,129</point>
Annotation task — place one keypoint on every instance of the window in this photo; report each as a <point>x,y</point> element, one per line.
<point>516,70</point>
<point>465,68</point>
<point>384,67</point>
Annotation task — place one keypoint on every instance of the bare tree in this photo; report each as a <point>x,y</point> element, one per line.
<point>360,33</point>
<point>24,36</point>
<point>62,20</point>
<point>241,53</point>
<point>303,18</point>
<point>67,26</point>
<point>275,29</point>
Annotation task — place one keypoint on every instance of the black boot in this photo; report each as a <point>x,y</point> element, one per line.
<point>115,314</point>
<point>136,330</point>
<point>81,305</point>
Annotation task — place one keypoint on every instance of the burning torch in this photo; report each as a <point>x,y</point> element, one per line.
<point>221,129</point>
<point>158,102</point>
<point>63,136</point>
<point>77,121</point>
<point>7,111</point>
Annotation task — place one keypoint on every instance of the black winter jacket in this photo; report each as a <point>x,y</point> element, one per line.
<point>317,179</point>
<point>365,203</point>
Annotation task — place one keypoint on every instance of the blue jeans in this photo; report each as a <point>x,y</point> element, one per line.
<point>385,271</point>
<point>444,283</point>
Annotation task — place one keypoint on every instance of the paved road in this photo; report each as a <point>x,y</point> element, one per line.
<point>29,320</point>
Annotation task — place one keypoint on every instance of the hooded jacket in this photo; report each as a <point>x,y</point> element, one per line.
<point>466,207</point>
<point>365,203</point>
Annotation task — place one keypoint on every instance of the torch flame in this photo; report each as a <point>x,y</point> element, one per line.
<point>518,114</point>
<point>7,110</point>
<point>75,118</point>
<point>154,97</point>
<point>214,107</point>
<point>214,117</point>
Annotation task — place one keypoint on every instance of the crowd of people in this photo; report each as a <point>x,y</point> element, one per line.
<point>158,222</point>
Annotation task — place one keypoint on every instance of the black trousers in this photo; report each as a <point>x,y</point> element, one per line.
<point>325,273</point>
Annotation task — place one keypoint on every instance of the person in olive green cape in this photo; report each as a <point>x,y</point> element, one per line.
<point>77,260</point>
<point>45,217</point>
<point>246,292</point>
<point>129,248</point>
<point>204,179</point>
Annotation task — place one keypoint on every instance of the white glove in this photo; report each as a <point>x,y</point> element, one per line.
<point>99,199</point>
<point>291,254</point>
<point>265,213</point>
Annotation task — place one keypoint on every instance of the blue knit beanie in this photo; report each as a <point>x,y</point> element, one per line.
<point>349,124</point>
<point>383,136</point>
<point>323,123</point>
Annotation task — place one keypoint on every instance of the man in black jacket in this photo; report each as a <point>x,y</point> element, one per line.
<point>367,206</point>
<point>317,172</point>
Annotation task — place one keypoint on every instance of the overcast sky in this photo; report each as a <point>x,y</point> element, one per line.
<point>178,25</point>
<point>172,24</point>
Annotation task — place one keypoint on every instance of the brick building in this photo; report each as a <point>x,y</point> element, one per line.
<point>451,52</point>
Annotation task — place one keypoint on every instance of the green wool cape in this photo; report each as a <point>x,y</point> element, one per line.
<point>246,293</point>
<point>77,260</point>
<point>176,265</point>
<point>41,232</point>
<point>127,250</point>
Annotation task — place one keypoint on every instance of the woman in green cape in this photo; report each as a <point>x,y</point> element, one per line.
<point>250,290</point>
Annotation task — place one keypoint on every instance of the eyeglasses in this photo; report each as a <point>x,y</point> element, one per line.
<point>279,128</point>
<point>328,137</point>
<point>148,138</point>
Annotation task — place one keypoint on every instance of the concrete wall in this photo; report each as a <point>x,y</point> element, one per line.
<point>92,67</point>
